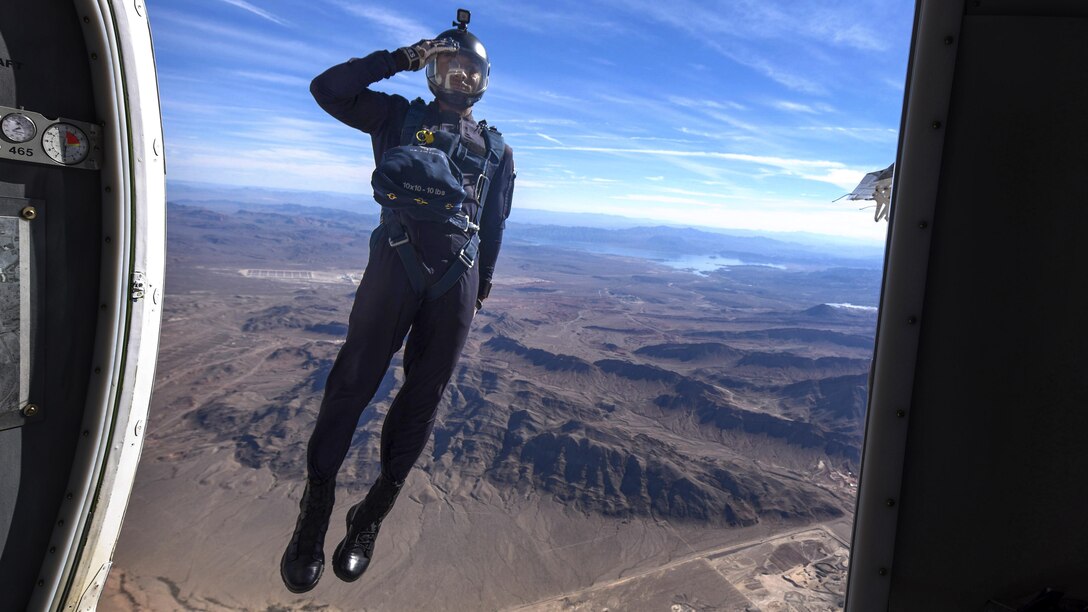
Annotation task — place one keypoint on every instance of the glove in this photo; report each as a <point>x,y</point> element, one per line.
<point>482,294</point>
<point>416,56</point>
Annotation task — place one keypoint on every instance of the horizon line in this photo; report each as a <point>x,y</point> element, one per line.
<point>858,241</point>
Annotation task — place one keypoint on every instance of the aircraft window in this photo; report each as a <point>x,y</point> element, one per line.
<point>15,321</point>
<point>662,399</point>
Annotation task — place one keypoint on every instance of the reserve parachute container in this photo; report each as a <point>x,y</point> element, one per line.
<point>82,241</point>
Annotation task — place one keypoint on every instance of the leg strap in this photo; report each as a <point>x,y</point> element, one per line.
<point>466,258</point>
<point>398,239</point>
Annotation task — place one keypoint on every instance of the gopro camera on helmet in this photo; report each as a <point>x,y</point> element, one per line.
<point>463,16</point>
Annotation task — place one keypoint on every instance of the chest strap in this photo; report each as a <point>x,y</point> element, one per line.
<point>470,162</point>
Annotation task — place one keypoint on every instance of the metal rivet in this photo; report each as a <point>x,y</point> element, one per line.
<point>30,410</point>
<point>108,240</point>
<point>52,549</point>
<point>29,213</point>
<point>139,427</point>
<point>94,56</point>
<point>86,19</point>
<point>882,571</point>
<point>86,432</point>
<point>912,320</point>
<point>60,522</point>
<point>922,225</point>
<point>108,189</point>
<point>936,125</point>
<point>948,40</point>
<point>41,583</point>
<point>889,502</point>
<point>98,370</point>
<point>900,413</point>
<point>69,496</point>
<point>139,8</point>
<point>155,147</point>
<point>102,307</point>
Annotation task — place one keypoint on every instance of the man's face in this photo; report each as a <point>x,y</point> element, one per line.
<point>458,72</point>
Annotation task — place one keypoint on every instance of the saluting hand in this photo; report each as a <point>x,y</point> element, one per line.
<point>425,50</point>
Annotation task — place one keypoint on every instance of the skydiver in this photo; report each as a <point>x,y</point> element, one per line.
<point>420,278</point>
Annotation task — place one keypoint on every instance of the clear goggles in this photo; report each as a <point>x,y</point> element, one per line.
<point>460,72</point>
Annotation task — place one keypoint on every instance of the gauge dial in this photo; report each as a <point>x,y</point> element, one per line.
<point>65,143</point>
<point>18,128</point>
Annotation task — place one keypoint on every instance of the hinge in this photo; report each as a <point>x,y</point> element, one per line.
<point>137,285</point>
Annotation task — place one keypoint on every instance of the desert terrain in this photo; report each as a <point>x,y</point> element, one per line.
<point>621,433</point>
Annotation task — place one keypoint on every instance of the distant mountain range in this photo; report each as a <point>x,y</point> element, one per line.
<point>672,243</point>
<point>679,238</point>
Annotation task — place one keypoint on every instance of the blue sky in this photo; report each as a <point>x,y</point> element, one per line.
<point>737,114</point>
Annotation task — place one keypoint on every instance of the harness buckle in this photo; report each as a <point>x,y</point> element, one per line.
<point>482,184</point>
<point>465,260</point>
<point>397,243</point>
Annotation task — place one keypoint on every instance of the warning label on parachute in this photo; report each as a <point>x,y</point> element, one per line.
<point>435,191</point>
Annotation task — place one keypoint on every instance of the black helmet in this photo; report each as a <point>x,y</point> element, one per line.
<point>460,79</point>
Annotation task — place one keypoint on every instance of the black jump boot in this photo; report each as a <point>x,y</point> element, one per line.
<point>353,553</point>
<point>304,559</point>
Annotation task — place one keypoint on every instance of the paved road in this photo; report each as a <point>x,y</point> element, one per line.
<point>707,555</point>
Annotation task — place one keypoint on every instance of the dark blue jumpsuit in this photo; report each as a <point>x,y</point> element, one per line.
<point>386,309</point>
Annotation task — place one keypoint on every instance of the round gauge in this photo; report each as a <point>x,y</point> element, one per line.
<point>65,143</point>
<point>18,128</point>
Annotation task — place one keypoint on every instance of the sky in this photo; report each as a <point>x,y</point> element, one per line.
<point>748,114</point>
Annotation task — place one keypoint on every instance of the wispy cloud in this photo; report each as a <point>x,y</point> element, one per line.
<point>649,197</point>
<point>861,36</point>
<point>199,37</point>
<point>704,103</point>
<point>826,171</point>
<point>559,121</point>
<point>285,168</point>
<point>273,77</point>
<point>570,18</point>
<point>770,37</point>
<point>396,26</point>
<point>242,4</point>
<point>794,107</point>
<point>777,214</point>
<point>549,138</point>
<point>842,24</point>
<point>865,134</point>
<point>760,159</point>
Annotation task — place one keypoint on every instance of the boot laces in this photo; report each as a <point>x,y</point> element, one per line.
<point>366,537</point>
